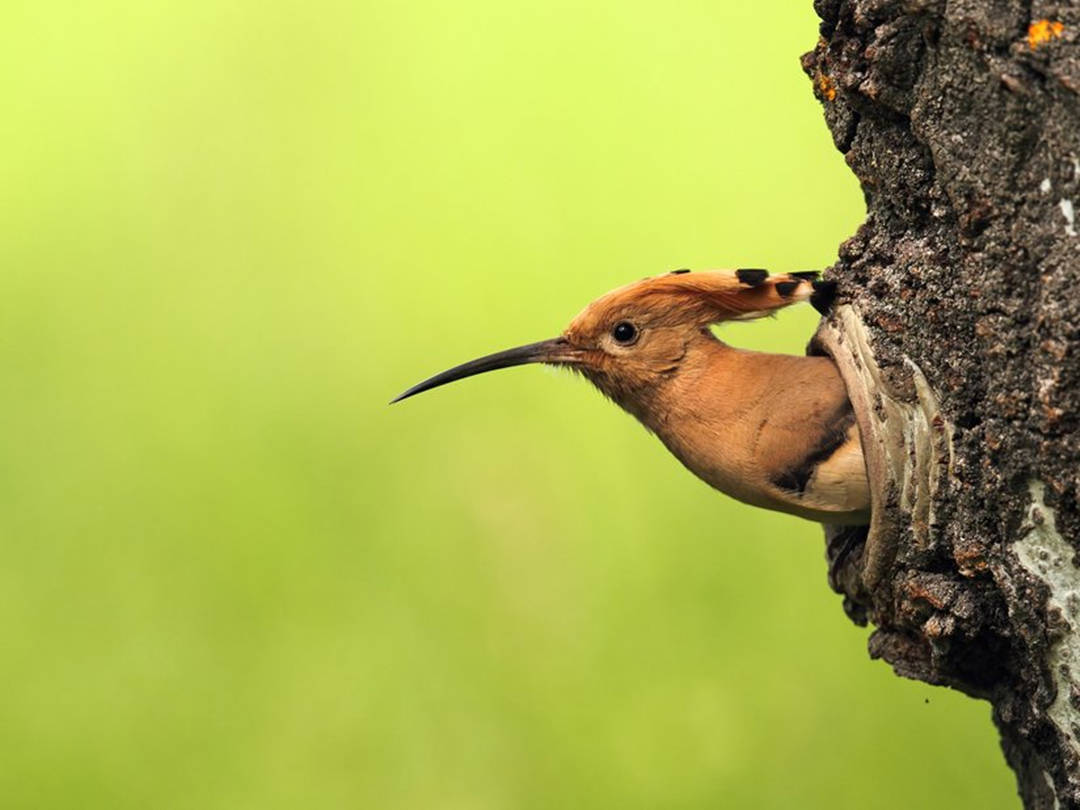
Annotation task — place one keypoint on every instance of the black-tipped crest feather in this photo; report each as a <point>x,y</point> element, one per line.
<point>752,276</point>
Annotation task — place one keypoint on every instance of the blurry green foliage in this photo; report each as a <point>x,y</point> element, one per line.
<point>234,578</point>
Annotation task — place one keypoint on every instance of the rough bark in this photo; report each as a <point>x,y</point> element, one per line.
<point>957,327</point>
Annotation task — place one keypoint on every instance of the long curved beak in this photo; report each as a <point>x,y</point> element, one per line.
<point>556,351</point>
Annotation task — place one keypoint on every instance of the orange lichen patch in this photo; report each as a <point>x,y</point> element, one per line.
<point>827,86</point>
<point>921,593</point>
<point>938,626</point>
<point>970,560</point>
<point>1042,31</point>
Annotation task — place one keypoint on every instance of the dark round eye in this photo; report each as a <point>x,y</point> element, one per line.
<point>624,332</point>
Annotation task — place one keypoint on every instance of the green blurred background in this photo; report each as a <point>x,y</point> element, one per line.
<point>234,578</point>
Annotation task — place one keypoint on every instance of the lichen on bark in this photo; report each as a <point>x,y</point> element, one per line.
<point>961,121</point>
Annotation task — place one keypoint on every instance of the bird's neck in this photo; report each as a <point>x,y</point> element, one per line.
<point>703,388</point>
<point>712,412</point>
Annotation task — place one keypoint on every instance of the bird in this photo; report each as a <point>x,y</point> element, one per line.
<point>774,431</point>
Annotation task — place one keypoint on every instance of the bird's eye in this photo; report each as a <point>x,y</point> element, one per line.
<point>624,333</point>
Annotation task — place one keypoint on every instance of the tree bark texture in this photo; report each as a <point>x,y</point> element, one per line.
<point>957,329</point>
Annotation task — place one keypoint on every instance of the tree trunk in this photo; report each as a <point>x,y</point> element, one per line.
<point>957,329</point>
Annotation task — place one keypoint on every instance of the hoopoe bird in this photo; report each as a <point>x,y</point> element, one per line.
<point>772,430</point>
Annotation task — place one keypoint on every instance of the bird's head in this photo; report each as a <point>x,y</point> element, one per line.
<point>633,337</point>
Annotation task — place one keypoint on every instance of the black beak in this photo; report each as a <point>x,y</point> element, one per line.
<point>556,351</point>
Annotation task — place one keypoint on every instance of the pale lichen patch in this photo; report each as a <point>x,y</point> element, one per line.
<point>1045,554</point>
<point>1069,213</point>
<point>1050,784</point>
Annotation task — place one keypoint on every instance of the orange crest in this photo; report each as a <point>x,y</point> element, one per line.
<point>700,299</point>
